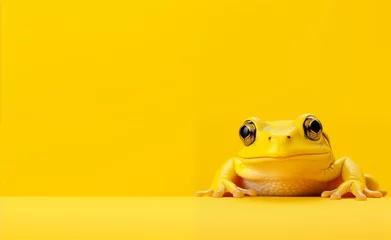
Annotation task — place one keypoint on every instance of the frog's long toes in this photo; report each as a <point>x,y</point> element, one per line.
<point>383,192</point>
<point>337,195</point>
<point>218,194</point>
<point>251,193</point>
<point>373,194</point>
<point>204,193</point>
<point>238,194</point>
<point>326,194</point>
<point>361,198</point>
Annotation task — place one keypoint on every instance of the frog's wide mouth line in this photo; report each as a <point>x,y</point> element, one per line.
<point>295,156</point>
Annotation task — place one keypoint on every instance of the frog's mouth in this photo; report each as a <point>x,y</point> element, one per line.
<point>306,156</point>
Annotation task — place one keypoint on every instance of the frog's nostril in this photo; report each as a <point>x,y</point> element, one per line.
<point>270,138</point>
<point>288,136</point>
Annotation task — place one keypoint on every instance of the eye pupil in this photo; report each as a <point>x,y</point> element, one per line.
<point>244,132</point>
<point>312,128</point>
<point>315,126</point>
<point>247,132</point>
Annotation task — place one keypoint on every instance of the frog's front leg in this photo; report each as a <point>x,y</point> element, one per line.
<point>224,182</point>
<point>354,182</point>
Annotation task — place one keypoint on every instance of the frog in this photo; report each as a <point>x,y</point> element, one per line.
<point>289,158</point>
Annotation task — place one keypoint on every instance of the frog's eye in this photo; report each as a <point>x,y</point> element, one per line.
<point>247,133</point>
<point>312,128</point>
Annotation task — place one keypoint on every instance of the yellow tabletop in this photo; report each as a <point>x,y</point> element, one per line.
<point>192,218</point>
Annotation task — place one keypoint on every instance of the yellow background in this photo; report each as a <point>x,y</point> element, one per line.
<point>146,97</point>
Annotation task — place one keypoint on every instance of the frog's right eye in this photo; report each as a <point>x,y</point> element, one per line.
<point>312,128</point>
<point>247,133</point>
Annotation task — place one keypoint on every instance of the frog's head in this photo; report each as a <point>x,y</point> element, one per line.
<point>300,139</point>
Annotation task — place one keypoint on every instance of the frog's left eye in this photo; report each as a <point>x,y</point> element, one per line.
<point>247,132</point>
<point>312,128</point>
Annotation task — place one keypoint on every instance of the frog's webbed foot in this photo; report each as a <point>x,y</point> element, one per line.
<point>383,192</point>
<point>357,188</point>
<point>227,187</point>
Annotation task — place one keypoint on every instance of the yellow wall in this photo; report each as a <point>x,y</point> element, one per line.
<point>146,97</point>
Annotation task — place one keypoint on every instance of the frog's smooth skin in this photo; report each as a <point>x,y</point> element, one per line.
<point>289,158</point>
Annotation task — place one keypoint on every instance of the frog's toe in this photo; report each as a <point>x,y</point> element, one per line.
<point>218,194</point>
<point>326,194</point>
<point>336,196</point>
<point>383,192</point>
<point>204,193</point>
<point>241,192</point>
<point>337,193</point>
<point>238,194</point>
<point>249,192</point>
<point>333,195</point>
<point>373,194</point>
<point>357,188</point>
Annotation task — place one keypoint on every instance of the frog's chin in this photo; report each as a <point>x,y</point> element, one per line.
<point>306,156</point>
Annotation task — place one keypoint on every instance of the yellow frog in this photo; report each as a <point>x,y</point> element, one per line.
<point>289,158</point>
